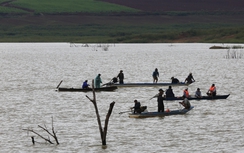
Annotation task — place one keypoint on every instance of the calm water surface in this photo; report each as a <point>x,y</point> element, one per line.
<point>30,73</point>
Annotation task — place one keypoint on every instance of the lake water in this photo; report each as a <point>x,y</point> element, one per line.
<point>30,72</point>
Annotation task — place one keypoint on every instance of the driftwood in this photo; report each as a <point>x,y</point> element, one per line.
<point>103,132</point>
<point>53,134</point>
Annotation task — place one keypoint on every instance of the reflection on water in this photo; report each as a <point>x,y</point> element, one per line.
<point>30,73</point>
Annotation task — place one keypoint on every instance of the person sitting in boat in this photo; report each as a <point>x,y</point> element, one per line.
<point>174,80</point>
<point>85,85</point>
<point>212,90</point>
<point>98,80</point>
<point>186,103</point>
<point>114,80</point>
<point>169,92</point>
<point>186,93</point>
<point>121,77</point>
<point>137,107</point>
<point>198,93</point>
<point>189,79</point>
<point>155,76</point>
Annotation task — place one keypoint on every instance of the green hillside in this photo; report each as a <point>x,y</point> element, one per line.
<point>66,6</point>
<point>93,21</point>
<point>10,10</point>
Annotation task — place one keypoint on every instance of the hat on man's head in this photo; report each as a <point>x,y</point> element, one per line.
<point>161,90</point>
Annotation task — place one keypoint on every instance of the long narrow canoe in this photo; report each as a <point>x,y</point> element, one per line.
<point>86,90</point>
<point>160,114</point>
<point>202,98</point>
<point>146,84</point>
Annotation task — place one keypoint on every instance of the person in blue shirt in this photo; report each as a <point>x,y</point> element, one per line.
<point>85,85</point>
<point>198,93</point>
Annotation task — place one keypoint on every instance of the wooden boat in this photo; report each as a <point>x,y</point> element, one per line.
<point>202,98</point>
<point>86,90</point>
<point>145,84</point>
<point>160,114</point>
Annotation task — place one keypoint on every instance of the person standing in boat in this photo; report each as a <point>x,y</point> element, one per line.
<point>155,75</point>
<point>212,91</point>
<point>160,101</point>
<point>189,79</point>
<point>98,81</point>
<point>174,80</point>
<point>169,92</point>
<point>121,77</point>
<point>85,85</point>
<point>137,107</point>
<point>186,103</point>
<point>198,93</point>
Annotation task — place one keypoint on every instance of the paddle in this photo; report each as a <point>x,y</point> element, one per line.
<point>59,83</point>
<point>109,83</point>
<point>105,84</point>
<point>124,112</point>
<point>154,96</point>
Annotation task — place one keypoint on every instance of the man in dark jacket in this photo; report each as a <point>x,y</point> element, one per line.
<point>137,107</point>
<point>175,80</point>
<point>160,101</point>
<point>121,77</point>
<point>169,92</point>
<point>189,79</point>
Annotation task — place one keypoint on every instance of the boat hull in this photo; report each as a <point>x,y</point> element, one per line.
<point>202,98</point>
<point>86,90</point>
<point>160,114</point>
<point>147,84</point>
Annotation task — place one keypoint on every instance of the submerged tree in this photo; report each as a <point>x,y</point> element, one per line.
<point>52,133</point>
<point>103,131</point>
<point>233,54</point>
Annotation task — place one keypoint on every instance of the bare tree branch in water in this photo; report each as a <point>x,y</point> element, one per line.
<point>103,132</point>
<point>53,134</point>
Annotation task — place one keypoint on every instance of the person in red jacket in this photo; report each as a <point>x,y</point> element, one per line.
<point>212,91</point>
<point>186,93</point>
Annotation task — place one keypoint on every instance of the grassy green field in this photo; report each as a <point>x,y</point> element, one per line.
<point>121,34</point>
<point>10,10</point>
<point>68,21</point>
<point>68,6</point>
